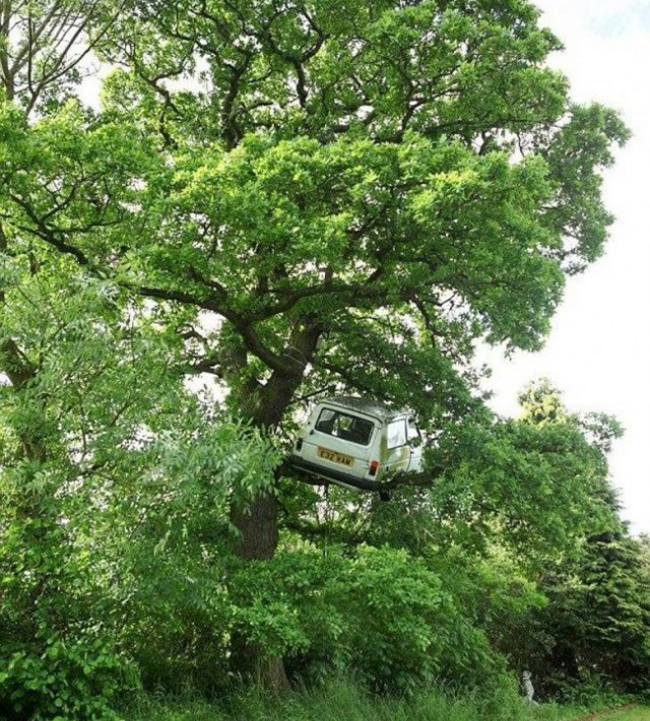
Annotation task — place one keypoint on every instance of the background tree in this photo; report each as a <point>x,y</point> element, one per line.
<point>597,622</point>
<point>46,47</point>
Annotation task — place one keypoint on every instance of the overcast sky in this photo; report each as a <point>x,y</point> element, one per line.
<point>598,353</point>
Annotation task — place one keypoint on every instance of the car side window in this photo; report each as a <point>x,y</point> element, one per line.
<point>396,434</point>
<point>413,432</point>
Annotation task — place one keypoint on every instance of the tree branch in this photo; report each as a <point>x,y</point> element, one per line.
<point>47,234</point>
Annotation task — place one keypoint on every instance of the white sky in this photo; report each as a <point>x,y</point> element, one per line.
<point>598,353</point>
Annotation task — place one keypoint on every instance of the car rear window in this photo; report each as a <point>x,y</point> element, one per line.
<point>345,426</point>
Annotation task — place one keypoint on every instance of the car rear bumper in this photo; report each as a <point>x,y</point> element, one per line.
<point>346,479</point>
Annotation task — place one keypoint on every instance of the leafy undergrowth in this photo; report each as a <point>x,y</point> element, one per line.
<point>345,701</point>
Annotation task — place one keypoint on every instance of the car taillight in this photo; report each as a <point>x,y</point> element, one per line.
<point>374,465</point>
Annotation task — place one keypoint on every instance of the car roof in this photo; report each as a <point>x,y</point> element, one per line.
<point>373,408</point>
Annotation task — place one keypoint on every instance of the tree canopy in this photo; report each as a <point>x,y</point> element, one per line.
<point>315,175</point>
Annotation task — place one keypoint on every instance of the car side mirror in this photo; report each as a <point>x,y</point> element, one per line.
<point>416,442</point>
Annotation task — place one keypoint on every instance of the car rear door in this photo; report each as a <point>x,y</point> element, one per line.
<point>340,440</point>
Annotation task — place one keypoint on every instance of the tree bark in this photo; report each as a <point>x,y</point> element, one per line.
<point>257,522</point>
<point>258,528</point>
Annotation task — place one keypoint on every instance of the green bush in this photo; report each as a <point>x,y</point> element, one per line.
<point>379,612</point>
<point>64,679</point>
<point>58,656</point>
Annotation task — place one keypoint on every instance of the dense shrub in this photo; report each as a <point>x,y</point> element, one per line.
<point>106,585</point>
<point>379,612</point>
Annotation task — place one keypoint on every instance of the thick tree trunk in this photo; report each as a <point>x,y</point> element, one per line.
<point>258,528</point>
<point>257,523</point>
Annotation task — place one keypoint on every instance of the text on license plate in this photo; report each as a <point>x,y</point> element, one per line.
<point>336,457</point>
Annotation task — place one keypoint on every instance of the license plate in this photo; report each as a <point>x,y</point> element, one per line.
<point>335,457</point>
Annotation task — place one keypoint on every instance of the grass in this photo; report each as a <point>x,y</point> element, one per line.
<point>634,714</point>
<point>345,701</point>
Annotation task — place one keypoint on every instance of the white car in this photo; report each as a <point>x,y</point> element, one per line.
<point>357,443</point>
